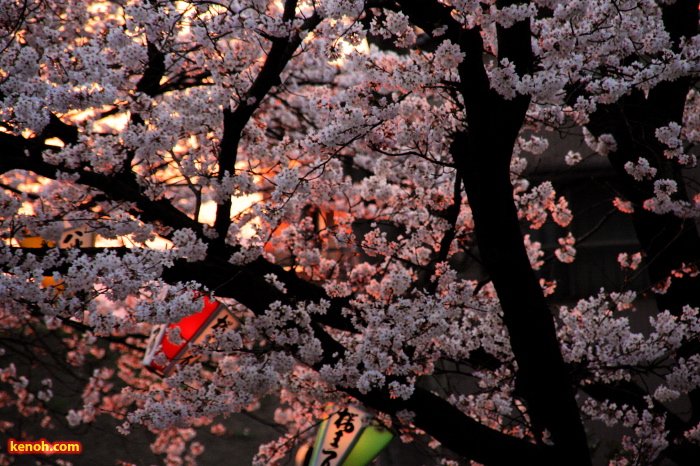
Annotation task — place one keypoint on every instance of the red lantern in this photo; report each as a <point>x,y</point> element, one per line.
<point>193,329</point>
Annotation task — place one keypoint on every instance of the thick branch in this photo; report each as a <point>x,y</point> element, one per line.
<point>149,83</point>
<point>457,431</point>
<point>280,53</point>
<point>160,212</point>
<point>247,285</point>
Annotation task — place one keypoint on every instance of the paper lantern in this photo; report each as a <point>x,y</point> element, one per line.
<point>350,437</point>
<point>80,237</point>
<point>193,329</point>
<point>58,287</point>
<point>70,238</point>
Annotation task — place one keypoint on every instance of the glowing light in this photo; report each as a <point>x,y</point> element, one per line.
<point>54,142</point>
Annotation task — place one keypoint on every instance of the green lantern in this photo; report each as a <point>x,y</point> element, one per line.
<point>350,437</point>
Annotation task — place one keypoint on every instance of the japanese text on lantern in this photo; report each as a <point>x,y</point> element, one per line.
<point>344,425</point>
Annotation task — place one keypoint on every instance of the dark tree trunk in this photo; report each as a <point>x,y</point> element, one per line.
<point>482,154</point>
<point>542,380</point>
<point>666,240</point>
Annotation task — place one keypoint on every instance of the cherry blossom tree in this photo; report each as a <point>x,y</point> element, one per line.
<point>323,168</point>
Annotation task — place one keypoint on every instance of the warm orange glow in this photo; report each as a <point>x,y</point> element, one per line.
<point>54,142</point>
